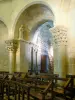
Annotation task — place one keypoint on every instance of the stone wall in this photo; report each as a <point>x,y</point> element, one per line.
<point>4,61</point>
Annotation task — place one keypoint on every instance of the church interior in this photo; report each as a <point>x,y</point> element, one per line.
<point>37,50</point>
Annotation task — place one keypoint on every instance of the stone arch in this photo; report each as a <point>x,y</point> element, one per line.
<point>30,18</point>
<point>41,26</point>
<point>40,23</point>
<point>4,28</point>
<point>48,22</point>
<point>1,19</point>
<point>25,7</point>
<point>31,23</point>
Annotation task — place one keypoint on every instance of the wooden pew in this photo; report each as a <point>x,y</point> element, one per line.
<point>72,81</point>
<point>3,72</point>
<point>1,89</point>
<point>39,81</point>
<point>42,82</point>
<point>9,86</point>
<point>71,89</point>
<point>61,91</point>
<point>20,74</point>
<point>45,94</point>
<point>16,90</point>
<point>42,78</point>
<point>2,78</point>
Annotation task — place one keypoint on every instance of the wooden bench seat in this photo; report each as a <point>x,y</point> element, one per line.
<point>73,79</point>
<point>20,74</point>
<point>62,91</point>
<point>17,90</point>
<point>59,90</point>
<point>42,95</point>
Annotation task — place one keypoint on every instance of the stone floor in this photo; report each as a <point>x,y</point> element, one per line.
<point>12,98</point>
<point>33,99</point>
<point>61,99</point>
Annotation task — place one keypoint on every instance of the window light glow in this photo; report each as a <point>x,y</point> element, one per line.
<point>51,51</point>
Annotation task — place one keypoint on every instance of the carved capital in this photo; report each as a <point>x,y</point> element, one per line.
<point>59,35</point>
<point>12,45</point>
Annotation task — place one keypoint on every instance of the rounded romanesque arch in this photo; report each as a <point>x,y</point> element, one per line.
<point>42,37</point>
<point>35,16</point>
<point>50,24</point>
<point>2,20</point>
<point>32,16</point>
<point>19,13</point>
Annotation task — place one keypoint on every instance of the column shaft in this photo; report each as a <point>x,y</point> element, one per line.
<point>71,61</point>
<point>61,62</point>
<point>31,58</point>
<point>21,57</point>
<point>12,62</point>
<point>36,62</point>
<point>12,48</point>
<point>60,50</point>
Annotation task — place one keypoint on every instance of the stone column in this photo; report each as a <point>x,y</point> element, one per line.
<point>36,52</point>
<point>34,49</point>
<point>22,63</point>
<point>32,59</point>
<point>12,48</point>
<point>71,60</point>
<point>60,50</point>
<point>36,62</point>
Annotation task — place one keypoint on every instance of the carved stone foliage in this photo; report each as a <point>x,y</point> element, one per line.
<point>12,45</point>
<point>59,35</point>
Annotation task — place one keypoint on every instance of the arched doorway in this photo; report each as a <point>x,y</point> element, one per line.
<point>43,39</point>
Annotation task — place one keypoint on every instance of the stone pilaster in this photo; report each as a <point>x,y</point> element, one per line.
<point>12,48</point>
<point>59,34</point>
<point>21,59</point>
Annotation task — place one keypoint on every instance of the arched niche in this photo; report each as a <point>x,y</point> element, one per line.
<point>32,18</point>
<point>3,52</point>
<point>42,37</point>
